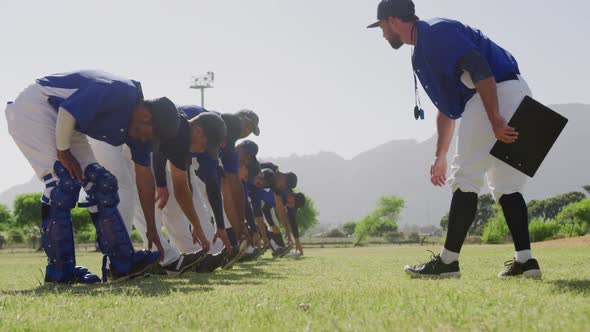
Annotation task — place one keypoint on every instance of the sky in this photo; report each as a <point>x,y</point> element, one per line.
<point>318,79</point>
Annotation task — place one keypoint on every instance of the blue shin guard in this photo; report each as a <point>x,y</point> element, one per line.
<point>57,235</point>
<point>111,233</point>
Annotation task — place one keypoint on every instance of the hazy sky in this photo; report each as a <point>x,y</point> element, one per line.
<point>317,78</point>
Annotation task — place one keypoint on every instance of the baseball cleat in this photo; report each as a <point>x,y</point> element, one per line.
<point>434,269</point>
<point>147,260</point>
<point>184,263</point>
<point>210,263</point>
<point>80,275</point>
<point>230,259</point>
<point>529,269</point>
<point>280,252</point>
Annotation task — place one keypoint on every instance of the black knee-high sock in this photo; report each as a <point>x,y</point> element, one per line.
<point>231,236</point>
<point>461,216</point>
<point>517,218</point>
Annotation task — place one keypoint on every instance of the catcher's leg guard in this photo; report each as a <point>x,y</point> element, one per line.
<point>111,233</point>
<point>57,235</point>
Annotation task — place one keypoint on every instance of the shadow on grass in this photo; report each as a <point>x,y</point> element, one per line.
<point>576,286</point>
<point>249,273</point>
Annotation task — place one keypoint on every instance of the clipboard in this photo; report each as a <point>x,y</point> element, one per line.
<point>538,127</point>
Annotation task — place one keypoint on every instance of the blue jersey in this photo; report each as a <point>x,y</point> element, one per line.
<point>441,44</point>
<point>102,105</point>
<point>257,196</point>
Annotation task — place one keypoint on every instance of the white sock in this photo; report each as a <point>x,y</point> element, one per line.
<point>448,256</point>
<point>250,250</point>
<point>523,256</point>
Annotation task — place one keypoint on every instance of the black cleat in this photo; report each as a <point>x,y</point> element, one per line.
<point>434,269</point>
<point>530,269</point>
<point>285,251</point>
<point>184,263</point>
<point>230,259</point>
<point>261,252</point>
<point>247,257</point>
<point>157,270</point>
<point>280,252</point>
<point>210,263</point>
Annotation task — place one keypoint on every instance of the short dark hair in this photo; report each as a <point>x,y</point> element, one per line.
<point>410,18</point>
<point>299,200</point>
<point>291,180</point>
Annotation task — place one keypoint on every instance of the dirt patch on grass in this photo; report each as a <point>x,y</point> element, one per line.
<point>582,241</point>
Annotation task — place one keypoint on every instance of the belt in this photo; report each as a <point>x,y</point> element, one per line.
<point>510,77</point>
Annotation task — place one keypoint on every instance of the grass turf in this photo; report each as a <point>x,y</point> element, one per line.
<point>358,289</point>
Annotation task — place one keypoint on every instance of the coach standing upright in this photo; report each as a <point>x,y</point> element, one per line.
<point>468,76</point>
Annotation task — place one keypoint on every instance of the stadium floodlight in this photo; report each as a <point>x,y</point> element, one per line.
<point>203,82</point>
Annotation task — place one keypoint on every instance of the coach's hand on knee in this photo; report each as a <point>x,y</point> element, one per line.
<point>438,172</point>
<point>70,163</point>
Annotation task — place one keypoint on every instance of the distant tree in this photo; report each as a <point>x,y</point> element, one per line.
<point>6,218</point>
<point>81,220</point>
<point>33,236</point>
<point>349,227</point>
<point>576,216</point>
<point>307,216</point>
<point>587,189</point>
<point>394,237</point>
<point>335,232</point>
<point>384,219</point>
<point>444,222</point>
<point>551,207</point>
<point>485,211</point>
<point>27,210</point>
<point>496,230</point>
<point>390,207</point>
<point>414,237</point>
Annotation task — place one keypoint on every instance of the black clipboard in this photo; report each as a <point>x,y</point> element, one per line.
<point>538,127</point>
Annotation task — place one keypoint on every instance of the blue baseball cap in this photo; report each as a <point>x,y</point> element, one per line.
<point>394,8</point>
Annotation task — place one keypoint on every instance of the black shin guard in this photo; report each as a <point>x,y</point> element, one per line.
<point>516,214</point>
<point>461,216</point>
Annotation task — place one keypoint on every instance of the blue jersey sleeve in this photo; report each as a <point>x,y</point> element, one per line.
<point>140,152</point>
<point>207,172</point>
<point>230,160</point>
<point>445,44</point>
<point>255,199</point>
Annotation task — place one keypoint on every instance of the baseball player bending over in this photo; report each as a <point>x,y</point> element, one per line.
<point>50,121</point>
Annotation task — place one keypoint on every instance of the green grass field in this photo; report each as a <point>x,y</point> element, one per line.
<point>357,289</point>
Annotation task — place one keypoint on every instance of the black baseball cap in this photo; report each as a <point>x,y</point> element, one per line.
<point>394,8</point>
<point>215,130</point>
<point>234,125</point>
<point>249,115</point>
<point>250,147</point>
<point>166,123</point>
<point>269,177</point>
<point>299,200</point>
<point>291,180</point>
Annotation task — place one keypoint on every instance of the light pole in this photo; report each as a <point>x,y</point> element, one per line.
<point>203,82</point>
